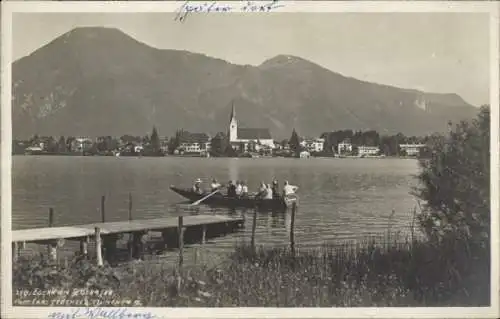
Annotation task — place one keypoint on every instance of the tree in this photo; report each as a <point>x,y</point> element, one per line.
<point>284,143</point>
<point>155,141</point>
<point>456,184</point>
<point>146,140</point>
<point>230,151</point>
<point>69,143</point>
<point>175,141</point>
<point>218,144</point>
<point>35,140</point>
<point>61,145</point>
<point>52,145</point>
<point>295,142</point>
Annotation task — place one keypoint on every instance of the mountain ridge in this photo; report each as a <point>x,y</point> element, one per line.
<point>100,81</point>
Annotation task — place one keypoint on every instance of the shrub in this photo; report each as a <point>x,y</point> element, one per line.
<point>455,184</point>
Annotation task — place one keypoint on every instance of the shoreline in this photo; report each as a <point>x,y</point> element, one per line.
<point>212,157</point>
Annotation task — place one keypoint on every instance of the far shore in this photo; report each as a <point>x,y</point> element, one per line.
<point>211,157</point>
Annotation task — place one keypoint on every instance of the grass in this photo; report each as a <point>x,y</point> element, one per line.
<point>397,273</point>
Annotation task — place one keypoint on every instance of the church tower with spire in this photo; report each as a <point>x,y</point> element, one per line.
<point>233,126</point>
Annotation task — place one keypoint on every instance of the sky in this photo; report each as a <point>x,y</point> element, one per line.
<point>433,52</point>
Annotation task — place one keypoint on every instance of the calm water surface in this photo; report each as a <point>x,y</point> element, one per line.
<point>339,198</point>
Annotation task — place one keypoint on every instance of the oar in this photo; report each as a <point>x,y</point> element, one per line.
<point>201,200</point>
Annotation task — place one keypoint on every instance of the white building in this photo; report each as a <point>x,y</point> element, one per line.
<point>194,143</point>
<point>313,145</point>
<point>138,148</point>
<point>81,144</point>
<point>245,136</point>
<point>364,150</point>
<point>304,154</point>
<point>411,149</point>
<point>345,146</point>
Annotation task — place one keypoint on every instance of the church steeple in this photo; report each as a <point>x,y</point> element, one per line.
<point>233,113</point>
<point>233,126</point>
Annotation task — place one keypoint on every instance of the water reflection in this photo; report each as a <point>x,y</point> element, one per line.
<point>338,198</point>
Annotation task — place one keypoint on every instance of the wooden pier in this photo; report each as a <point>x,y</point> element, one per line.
<point>106,234</point>
<point>78,232</point>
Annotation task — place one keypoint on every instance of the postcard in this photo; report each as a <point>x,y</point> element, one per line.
<point>284,159</point>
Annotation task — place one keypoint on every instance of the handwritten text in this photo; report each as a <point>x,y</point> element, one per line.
<point>95,313</point>
<point>214,6</point>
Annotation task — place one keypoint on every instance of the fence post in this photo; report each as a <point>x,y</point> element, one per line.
<point>180,232</point>
<point>254,227</point>
<point>98,246</point>
<point>203,234</point>
<point>103,212</point>
<point>292,224</point>
<point>52,247</point>
<point>84,247</point>
<point>203,241</point>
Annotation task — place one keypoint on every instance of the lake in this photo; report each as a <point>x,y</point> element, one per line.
<point>340,199</point>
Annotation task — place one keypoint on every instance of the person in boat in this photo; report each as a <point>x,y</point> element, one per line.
<point>289,190</point>
<point>276,190</point>
<point>269,192</point>
<point>262,191</point>
<point>215,185</point>
<point>239,188</point>
<point>197,187</point>
<point>244,189</point>
<point>231,189</point>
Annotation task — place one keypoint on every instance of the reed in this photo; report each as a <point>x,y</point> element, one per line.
<point>401,272</point>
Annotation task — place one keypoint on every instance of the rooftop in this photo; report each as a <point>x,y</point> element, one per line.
<point>254,134</point>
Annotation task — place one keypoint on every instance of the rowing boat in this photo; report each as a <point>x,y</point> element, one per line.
<point>233,202</point>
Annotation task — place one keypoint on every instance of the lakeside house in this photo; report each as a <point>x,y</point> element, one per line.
<point>248,138</point>
<point>81,144</point>
<point>193,143</point>
<point>313,145</point>
<point>345,146</point>
<point>304,154</point>
<point>365,150</point>
<point>411,149</point>
<point>33,150</point>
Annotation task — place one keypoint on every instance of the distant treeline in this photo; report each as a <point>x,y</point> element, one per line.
<point>153,145</point>
<point>103,145</point>
<point>388,144</point>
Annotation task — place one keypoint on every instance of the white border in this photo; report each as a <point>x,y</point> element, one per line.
<point>291,6</point>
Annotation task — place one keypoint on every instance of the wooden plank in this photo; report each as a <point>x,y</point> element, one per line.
<point>82,231</point>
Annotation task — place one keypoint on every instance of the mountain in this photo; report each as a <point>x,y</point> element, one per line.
<point>96,81</point>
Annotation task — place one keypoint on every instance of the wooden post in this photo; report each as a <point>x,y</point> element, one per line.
<point>203,241</point>
<point>254,227</point>
<point>52,247</point>
<point>131,246</point>
<point>98,246</point>
<point>180,232</point>
<point>203,234</point>
<point>129,206</point>
<point>84,247</point>
<point>53,251</point>
<point>103,212</point>
<point>51,217</point>
<point>292,224</point>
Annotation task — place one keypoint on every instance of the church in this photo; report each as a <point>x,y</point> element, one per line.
<point>259,137</point>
